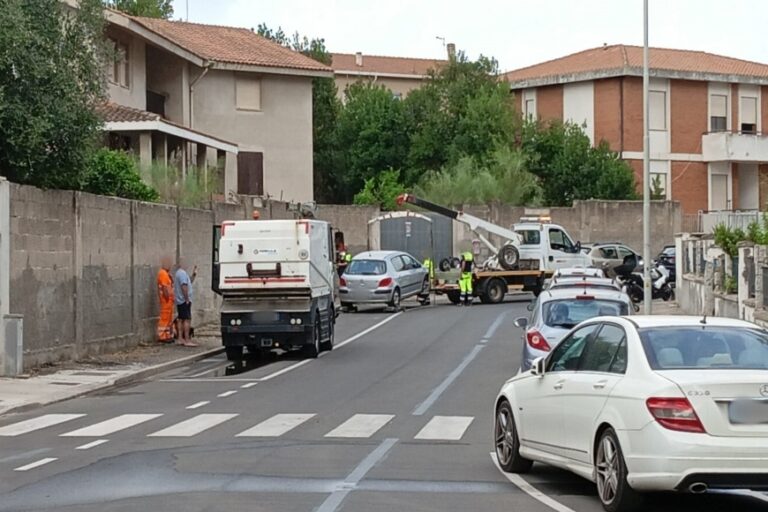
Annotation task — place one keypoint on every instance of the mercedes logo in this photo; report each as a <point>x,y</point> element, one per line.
<point>764,390</point>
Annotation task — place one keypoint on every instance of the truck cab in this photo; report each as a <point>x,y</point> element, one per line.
<point>549,243</point>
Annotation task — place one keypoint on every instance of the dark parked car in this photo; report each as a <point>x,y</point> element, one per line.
<point>667,258</point>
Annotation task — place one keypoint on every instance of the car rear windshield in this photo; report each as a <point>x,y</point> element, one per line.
<point>567,313</point>
<point>366,268</point>
<point>705,347</point>
<point>530,236</point>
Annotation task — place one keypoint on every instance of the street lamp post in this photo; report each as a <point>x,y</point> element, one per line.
<point>647,285</point>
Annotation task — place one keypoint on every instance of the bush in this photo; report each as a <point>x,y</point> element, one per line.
<point>114,173</point>
<point>381,190</point>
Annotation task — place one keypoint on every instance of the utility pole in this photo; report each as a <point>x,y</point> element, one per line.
<point>647,285</point>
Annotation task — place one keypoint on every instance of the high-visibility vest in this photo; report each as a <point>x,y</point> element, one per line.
<point>429,266</point>
<point>348,257</point>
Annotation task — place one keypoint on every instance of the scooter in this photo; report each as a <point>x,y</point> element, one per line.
<point>633,282</point>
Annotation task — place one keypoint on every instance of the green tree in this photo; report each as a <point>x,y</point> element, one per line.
<point>371,129</point>
<point>462,110</point>
<point>325,112</point>
<point>114,173</point>
<point>381,190</point>
<point>146,8</point>
<point>569,168</point>
<point>51,77</point>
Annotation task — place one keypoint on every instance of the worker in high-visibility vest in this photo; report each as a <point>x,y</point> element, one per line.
<point>465,281</point>
<point>348,257</point>
<point>430,266</point>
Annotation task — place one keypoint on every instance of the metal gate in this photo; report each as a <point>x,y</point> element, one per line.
<point>417,234</point>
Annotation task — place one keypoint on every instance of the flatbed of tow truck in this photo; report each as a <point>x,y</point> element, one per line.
<point>490,286</point>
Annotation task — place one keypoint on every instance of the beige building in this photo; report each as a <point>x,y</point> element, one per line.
<point>398,74</point>
<point>193,94</point>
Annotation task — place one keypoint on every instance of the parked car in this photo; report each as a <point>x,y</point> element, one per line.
<point>667,258</point>
<point>600,283</point>
<point>382,277</point>
<point>557,311</point>
<point>606,255</point>
<point>578,272</point>
<point>648,403</point>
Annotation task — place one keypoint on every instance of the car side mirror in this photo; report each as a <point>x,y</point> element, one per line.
<point>537,368</point>
<point>521,322</point>
<point>578,247</point>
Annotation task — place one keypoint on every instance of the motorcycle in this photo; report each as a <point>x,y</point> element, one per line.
<point>633,282</point>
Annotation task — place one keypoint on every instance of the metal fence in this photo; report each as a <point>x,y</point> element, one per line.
<point>738,219</point>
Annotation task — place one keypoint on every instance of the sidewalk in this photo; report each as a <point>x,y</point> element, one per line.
<point>659,307</point>
<point>68,380</point>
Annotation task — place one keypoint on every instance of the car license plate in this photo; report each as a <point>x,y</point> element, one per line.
<point>748,412</point>
<point>266,342</point>
<point>264,317</point>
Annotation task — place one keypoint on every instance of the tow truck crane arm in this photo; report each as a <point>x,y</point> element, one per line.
<point>473,222</point>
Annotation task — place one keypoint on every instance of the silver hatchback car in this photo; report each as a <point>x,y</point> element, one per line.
<point>555,312</point>
<point>382,277</point>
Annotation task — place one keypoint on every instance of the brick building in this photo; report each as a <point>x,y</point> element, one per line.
<point>706,117</point>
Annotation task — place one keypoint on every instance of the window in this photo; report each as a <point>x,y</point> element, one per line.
<point>529,108</point>
<point>748,113</point>
<point>567,313</point>
<point>658,186</point>
<point>624,252</point>
<point>366,268</point>
<point>566,355</point>
<point>602,352</point>
<point>118,72</point>
<point>398,263</point>
<point>718,112</point>
<point>530,236</point>
<point>657,102</point>
<point>411,263</point>
<point>608,253</point>
<point>247,93</point>
<point>559,241</point>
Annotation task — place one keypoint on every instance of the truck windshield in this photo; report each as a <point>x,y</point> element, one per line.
<point>567,313</point>
<point>366,268</point>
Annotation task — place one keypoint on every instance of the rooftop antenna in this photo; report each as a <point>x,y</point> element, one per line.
<point>187,10</point>
<point>441,39</point>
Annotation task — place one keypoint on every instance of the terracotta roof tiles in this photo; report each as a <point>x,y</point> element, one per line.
<point>114,113</point>
<point>229,44</point>
<point>623,59</point>
<point>373,64</point>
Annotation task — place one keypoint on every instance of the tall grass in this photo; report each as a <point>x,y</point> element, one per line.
<point>193,189</point>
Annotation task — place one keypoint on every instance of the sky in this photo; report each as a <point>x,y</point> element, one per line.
<point>517,33</point>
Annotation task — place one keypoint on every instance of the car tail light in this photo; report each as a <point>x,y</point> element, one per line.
<point>387,281</point>
<point>675,414</point>
<point>342,282</point>
<point>537,341</point>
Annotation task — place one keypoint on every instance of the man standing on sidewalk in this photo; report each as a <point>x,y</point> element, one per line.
<point>182,287</point>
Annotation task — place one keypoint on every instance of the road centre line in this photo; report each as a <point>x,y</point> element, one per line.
<point>226,394</point>
<point>249,385</point>
<point>494,326</point>
<point>332,502</point>
<point>92,444</point>
<point>530,490</point>
<point>198,404</point>
<point>440,389</point>
<point>37,464</point>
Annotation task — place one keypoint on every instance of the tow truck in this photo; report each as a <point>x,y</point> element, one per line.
<point>532,251</point>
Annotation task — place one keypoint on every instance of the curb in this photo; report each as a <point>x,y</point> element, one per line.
<point>120,381</point>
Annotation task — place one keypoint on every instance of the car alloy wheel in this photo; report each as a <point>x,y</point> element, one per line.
<point>506,442</point>
<point>395,301</point>
<point>607,468</point>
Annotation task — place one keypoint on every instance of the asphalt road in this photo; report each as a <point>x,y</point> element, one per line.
<point>397,417</point>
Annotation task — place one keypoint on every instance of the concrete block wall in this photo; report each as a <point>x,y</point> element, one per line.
<point>352,220</point>
<point>195,246</point>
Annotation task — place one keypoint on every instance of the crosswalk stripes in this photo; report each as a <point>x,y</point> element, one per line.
<point>193,426</point>
<point>445,428</point>
<point>111,426</point>
<point>276,426</point>
<point>360,426</point>
<point>47,420</point>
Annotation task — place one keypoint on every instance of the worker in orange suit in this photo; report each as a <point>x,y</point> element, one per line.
<point>165,325</point>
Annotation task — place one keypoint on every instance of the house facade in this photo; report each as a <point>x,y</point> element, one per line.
<point>202,95</point>
<point>400,75</point>
<point>706,117</point>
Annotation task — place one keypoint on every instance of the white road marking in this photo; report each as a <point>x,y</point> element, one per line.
<point>41,462</point>
<point>370,329</point>
<point>198,404</point>
<point>276,426</point>
<point>439,390</point>
<point>249,385</point>
<point>226,394</point>
<point>494,326</point>
<point>285,370</point>
<point>47,420</point>
<point>92,444</point>
<point>361,425</point>
<point>530,490</point>
<point>447,428</point>
<point>111,426</point>
<point>193,426</point>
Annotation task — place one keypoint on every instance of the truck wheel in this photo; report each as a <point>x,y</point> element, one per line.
<point>234,353</point>
<point>495,291</point>
<point>509,257</point>
<point>312,348</point>
<point>328,345</point>
<point>454,296</point>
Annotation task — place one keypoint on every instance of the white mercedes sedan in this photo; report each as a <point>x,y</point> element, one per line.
<point>644,403</point>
